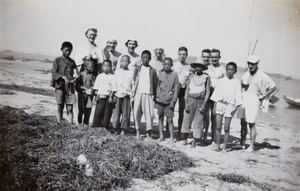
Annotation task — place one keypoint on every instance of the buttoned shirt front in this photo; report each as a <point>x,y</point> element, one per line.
<point>124,80</point>
<point>105,84</point>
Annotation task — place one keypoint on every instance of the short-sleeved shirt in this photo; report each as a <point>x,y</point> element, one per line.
<point>157,65</point>
<point>228,91</point>
<point>259,83</point>
<point>183,71</point>
<point>215,74</point>
<point>87,49</point>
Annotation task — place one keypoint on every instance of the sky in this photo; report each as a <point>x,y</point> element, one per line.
<point>40,26</point>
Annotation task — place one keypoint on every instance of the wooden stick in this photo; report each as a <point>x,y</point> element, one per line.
<point>254,46</point>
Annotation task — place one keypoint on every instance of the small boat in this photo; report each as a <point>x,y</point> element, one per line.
<point>292,101</point>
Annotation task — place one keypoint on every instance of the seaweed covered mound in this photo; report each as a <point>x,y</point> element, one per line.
<point>38,154</point>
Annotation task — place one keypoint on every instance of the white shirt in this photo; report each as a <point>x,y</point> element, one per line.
<point>124,79</point>
<point>157,65</point>
<point>259,83</point>
<point>144,80</point>
<point>183,71</point>
<point>215,74</point>
<point>87,49</point>
<point>105,83</point>
<point>228,91</point>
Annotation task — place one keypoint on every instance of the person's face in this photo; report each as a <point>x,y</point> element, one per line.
<point>215,57</point>
<point>253,67</point>
<point>91,36</point>
<point>89,66</point>
<point>131,46</point>
<point>198,69</point>
<point>182,56</point>
<point>66,52</point>
<point>111,45</point>
<point>159,52</point>
<point>167,65</point>
<point>146,59</point>
<point>106,67</point>
<point>230,71</point>
<point>206,57</point>
<point>125,61</point>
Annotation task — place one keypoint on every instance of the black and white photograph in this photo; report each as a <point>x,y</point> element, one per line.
<point>149,95</point>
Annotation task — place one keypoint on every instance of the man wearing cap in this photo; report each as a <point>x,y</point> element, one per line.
<point>183,70</point>
<point>110,52</point>
<point>135,59</point>
<point>257,87</point>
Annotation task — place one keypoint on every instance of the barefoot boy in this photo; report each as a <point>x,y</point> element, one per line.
<point>144,92</point>
<point>62,74</point>
<point>124,79</point>
<point>227,97</point>
<point>196,96</point>
<point>166,96</point>
<point>84,87</point>
<point>105,86</point>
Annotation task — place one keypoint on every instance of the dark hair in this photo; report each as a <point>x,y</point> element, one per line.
<point>91,29</point>
<point>66,44</point>
<point>125,55</point>
<point>108,62</point>
<point>147,52</point>
<point>170,59</point>
<point>216,50</point>
<point>183,48</point>
<point>232,64</point>
<point>88,61</point>
<point>206,51</point>
<point>136,43</point>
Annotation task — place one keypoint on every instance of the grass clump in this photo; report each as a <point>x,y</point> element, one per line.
<point>38,154</point>
<point>233,178</point>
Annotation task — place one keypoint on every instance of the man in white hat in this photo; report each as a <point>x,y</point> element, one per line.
<point>110,52</point>
<point>257,87</point>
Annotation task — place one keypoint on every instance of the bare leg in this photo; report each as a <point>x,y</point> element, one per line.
<point>185,136</point>
<point>252,136</point>
<point>226,129</point>
<point>161,128</point>
<point>219,119</point>
<point>60,109</point>
<point>70,111</point>
<point>171,128</point>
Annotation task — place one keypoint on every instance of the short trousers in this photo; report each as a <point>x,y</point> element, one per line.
<point>62,99</point>
<point>251,103</point>
<point>225,109</point>
<point>165,110</point>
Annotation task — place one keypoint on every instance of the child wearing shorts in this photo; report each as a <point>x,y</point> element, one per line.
<point>227,97</point>
<point>166,96</point>
<point>196,97</point>
<point>63,81</point>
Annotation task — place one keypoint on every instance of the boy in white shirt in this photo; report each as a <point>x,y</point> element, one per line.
<point>105,87</point>
<point>144,92</point>
<point>124,81</point>
<point>227,97</point>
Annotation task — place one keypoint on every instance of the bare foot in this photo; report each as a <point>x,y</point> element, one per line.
<point>250,149</point>
<point>138,134</point>
<point>160,139</point>
<point>193,145</point>
<point>184,142</point>
<point>172,141</point>
<point>224,151</point>
<point>216,148</point>
<point>148,138</point>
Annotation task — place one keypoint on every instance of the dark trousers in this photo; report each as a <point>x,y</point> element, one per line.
<point>103,113</point>
<point>86,112</point>
<point>122,107</point>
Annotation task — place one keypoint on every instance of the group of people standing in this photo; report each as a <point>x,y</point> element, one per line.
<point>124,84</point>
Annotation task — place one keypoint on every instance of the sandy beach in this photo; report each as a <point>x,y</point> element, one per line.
<point>275,165</point>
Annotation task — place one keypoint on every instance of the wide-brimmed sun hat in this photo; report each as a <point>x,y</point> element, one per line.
<point>253,59</point>
<point>199,62</point>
